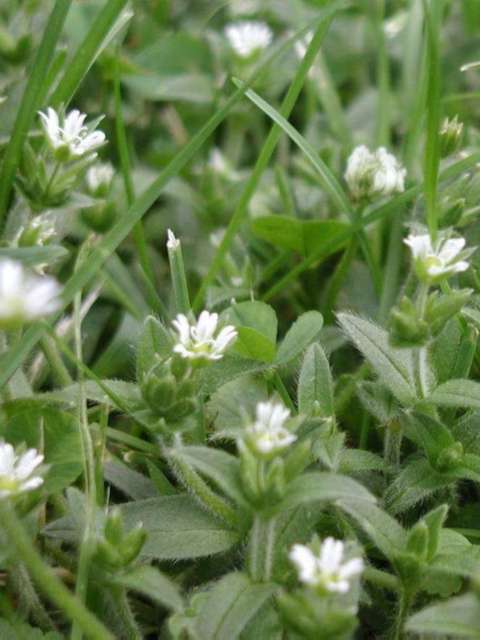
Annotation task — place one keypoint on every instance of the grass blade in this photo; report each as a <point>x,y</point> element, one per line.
<point>87,53</point>
<point>31,101</point>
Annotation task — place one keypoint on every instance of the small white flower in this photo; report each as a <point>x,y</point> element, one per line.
<point>267,435</point>
<point>219,164</point>
<point>375,173</point>
<point>16,470</point>
<point>99,178</point>
<point>434,263</point>
<point>201,341</point>
<point>25,297</point>
<point>172,241</point>
<point>326,570</point>
<point>69,136</point>
<point>249,37</point>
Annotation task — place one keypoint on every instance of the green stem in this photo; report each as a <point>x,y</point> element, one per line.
<point>59,370</point>
<point>47,581</point>
<point>337,279</point>
<point>261,548</point>
<point>87,544</point>
<point>404,605</point>
<point>420,354</point>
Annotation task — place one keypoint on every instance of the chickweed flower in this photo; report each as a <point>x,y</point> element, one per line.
<point>267,435</point>
<point>451,133</point>
<point>376,173</point>
<point>202,341</point>
<point>68,136</point>
<point>249,37</point>
<point>25,297</point>
<point>99,178</point>
<point>434,263</point>
<point>16,471</point>
<point>172,241</point>
<point>325,571</point>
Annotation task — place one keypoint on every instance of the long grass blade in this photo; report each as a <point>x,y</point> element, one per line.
<point>31,101</point>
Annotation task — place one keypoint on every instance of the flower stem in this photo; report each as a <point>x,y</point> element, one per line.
<point>87,544</point>
<point>261,548</point>
<point>404,604</point>
<point>46,580</point>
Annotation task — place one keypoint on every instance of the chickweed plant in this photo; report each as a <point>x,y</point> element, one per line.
<point>239,319</point>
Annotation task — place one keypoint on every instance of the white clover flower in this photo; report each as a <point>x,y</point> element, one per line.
<point>172,241</point>
<point>25,297</point>
<point>68,136</point>
<point>249,37</point>
<point>99,178</point>
<point>325,571</point>
<point>267,435</point>
<point>435,263</point>
<point>201,341</point>
<point>16,470</point>
<point>375,173</point>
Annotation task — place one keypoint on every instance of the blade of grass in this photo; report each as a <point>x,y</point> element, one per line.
<point>266,152</point>
<point>30,101</point>
<point>11,360</point>
<point>87,53</point>
<point>433,15</point>
<point>379,213</point>
<point>138,230</point>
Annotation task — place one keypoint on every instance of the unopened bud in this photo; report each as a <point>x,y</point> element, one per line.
<point>451,133</point>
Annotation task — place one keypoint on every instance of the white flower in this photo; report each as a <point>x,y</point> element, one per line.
<point>374,173</point>
<point>23,296</point>
<point>199,341</point>
<point>267,435</point>
<point>16,470</point>
<point>70,138</point>
<point>172,241</point>
<point>219,164</point>
<point>325,570</point>
<point>246,38</point>
<point>435,263</point>
<point>99,178</point>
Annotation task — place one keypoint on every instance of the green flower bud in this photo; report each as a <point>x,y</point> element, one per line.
<point>417,541</point>
<point>451,133</point>
<point>114,531</point>
<point>275,483</point>
<point>450,458</point>
<point>298,459</point>
<point>406,328</point>
<point>108,555</point>
<point>408,567</point>
<point>100,217</point>
<point>132,544</point>
<point>159,393</point>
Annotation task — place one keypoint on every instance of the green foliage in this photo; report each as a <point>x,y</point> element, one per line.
<point>297,454</point>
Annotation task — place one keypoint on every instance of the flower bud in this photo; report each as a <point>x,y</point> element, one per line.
<point>159,392</point>
<point>417,541</point>
<point>452,211</point>
<point>406,328</point>
<point>450,458</point>
<point>100,217</point>
<point>132,544</point>
<point>451,133</point>
<point>113,530</point>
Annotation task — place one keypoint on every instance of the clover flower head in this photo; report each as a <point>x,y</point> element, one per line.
<point>99,178</point>
<point>202,340</point>
<point>376,173</point>
<point>325,571</point>
<point>16,470</point>
<point>68,135</point>
<point>24,296</point>
<point>248,37</point>
<point>434,263</point>
<point>268,435</point>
